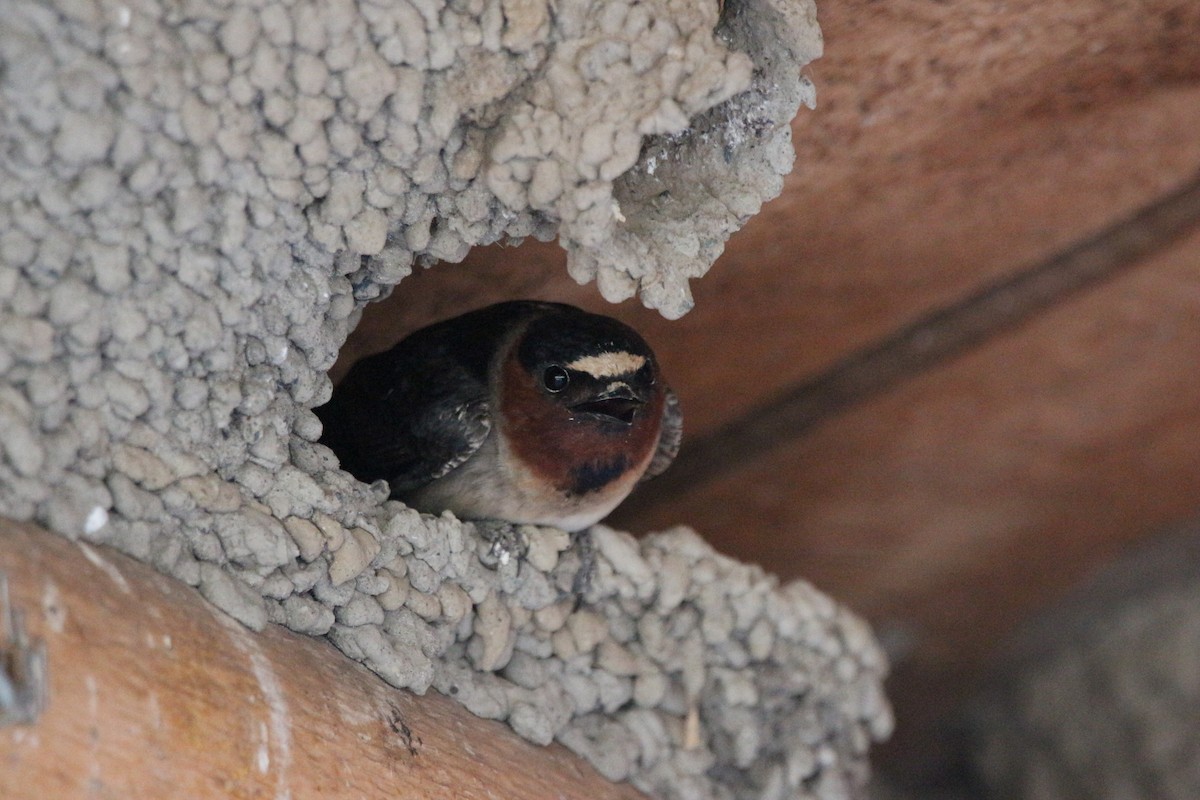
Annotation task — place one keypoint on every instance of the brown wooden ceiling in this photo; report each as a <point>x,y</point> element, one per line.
<point>955,146</point>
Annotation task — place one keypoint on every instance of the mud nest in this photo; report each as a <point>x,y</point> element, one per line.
<point>196,201</point>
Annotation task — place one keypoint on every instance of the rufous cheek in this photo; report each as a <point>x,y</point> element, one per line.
<point>557,448</point>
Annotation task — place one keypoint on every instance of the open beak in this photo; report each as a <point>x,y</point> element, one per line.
<point>619,403</point>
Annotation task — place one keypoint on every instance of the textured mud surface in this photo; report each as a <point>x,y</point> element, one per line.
<point>196,200</point>
<point>1099,698</point>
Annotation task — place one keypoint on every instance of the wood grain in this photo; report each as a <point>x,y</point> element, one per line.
<point>155,694</point>
<point>927,342</point>
<point>963,500</point>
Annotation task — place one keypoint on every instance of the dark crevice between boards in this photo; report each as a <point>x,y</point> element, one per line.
<point>929,341</point>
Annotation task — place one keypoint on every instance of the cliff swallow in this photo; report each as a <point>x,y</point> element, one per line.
<point>524,412</point>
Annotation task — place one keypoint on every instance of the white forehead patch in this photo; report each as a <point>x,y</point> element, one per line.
<point>608,365</point>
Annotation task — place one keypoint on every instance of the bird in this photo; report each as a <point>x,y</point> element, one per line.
<point>522,412</point>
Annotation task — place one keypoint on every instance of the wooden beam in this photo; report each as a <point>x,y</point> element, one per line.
<point>154,693</point>
<point>933,338</point>
<point>961,501</point>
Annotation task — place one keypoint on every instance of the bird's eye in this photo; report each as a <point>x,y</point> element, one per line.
<point>646,374</point>
<point>555,379</point>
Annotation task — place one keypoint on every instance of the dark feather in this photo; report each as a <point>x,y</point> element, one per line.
<point>670,438</point>
<point>415,412</point>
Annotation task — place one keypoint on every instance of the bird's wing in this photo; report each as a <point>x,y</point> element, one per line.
<point>669,439</point>
<point>407,416</point>
<point>442,438</point>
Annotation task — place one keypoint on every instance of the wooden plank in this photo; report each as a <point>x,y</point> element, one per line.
<point>928,342</point>
<point>154,693</point>
<point>955,505</point>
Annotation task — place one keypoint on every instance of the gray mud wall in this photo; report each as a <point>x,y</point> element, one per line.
<point>1100,697</point>
<point>196,200</point>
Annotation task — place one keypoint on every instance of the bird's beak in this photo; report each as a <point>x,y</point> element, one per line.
<point>619,402</point>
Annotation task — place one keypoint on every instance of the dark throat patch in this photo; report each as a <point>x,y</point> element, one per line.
<point>595,475</point>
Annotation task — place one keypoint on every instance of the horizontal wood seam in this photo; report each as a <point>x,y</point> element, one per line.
<point>928,341</point>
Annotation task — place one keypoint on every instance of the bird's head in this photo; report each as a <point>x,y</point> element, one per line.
<point>582,389</point>
<point>596,368</point>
